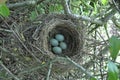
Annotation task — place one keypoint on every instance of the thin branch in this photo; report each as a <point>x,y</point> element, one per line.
<point>29,70</point>
<point>21,41</point>
<point>49,71</point>
<point>4,49</point>
<point>102,37</point>
<point>5,30</point>
<point>116,22</point>
<point>59,59</point>
<point>24,3</point>
<point>115,5</point>
<point>109,15</point>
<point>101,64</point>
<point>67,59</point>
<point>66,7</point>
<point>43,52</point>
<point>105,27</point>
<point>80,67</point>
<point>85,18</point>
<point>16,78</point>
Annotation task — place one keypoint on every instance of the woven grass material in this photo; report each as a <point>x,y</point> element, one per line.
<point>28,51</point>
<point>65,27</point>
<point>48,27</point>
<point>73,37</point>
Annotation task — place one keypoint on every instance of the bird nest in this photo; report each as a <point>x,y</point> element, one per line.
<point>46,29</point>
<point>27,49</point>
<point>72,37</point>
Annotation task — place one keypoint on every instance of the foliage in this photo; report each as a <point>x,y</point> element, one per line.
<point>33,15</point>
<point>45,8</point>
<point>113,72</point>
<point>114,47</point>
<point>104,2</point>
<point>4,11</point>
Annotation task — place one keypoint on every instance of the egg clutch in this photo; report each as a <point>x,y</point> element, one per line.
<point>58,43</point>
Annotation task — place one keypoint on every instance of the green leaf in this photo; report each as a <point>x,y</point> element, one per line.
<point>33,15</point>
<point>40,9</point>
<point>93,79</point>
<point>51,8</point>
<point>4,11</point>
<point>95,8</point>
<point>113,72</point>
<point>114,47</point>
<point>104,2</point>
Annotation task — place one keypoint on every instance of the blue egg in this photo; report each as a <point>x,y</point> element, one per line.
<point>54,42</point>
<point>57,50</point>
<point>63,45</point>
<point>59,37</point>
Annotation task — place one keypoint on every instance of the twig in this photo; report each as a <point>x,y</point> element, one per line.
<point>21,41</point>
<point>33,69</point>
<point>85,18</point>
<point>25,3</point>
<point>50,67</point>
<point>94,50</point>
<point>59,59</point>
<point>102,37</point>
<point>109,15</point>
<point>80,67</point>
<point>105,26</point>
<point>43,52</point>
<point>5,30</point>
<point>4,49</point>
<point>67,59</point>
<point>18,37</point>
<point>16,78</point>
<point>101,64</point>
<point>41,66</point>
<point>117,8</point>
<point>116,22</point>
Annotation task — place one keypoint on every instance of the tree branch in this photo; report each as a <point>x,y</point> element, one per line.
<point>80,67</point>
<point>109,15</point>
<point>82,17</point>
<point>116,22</point>
<point>67,59</point>
<point>49,71</point>
<point>25,3</point>
<point>115,5</point>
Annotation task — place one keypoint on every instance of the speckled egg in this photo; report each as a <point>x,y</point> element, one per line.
<point>57,50</point>
<point>54,42</point>
<point>63,45</point>
<point>59,37</point>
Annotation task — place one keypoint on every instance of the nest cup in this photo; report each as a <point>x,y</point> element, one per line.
<point>50,26</point>
<point>68,29</point>
<point>73,39</point>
